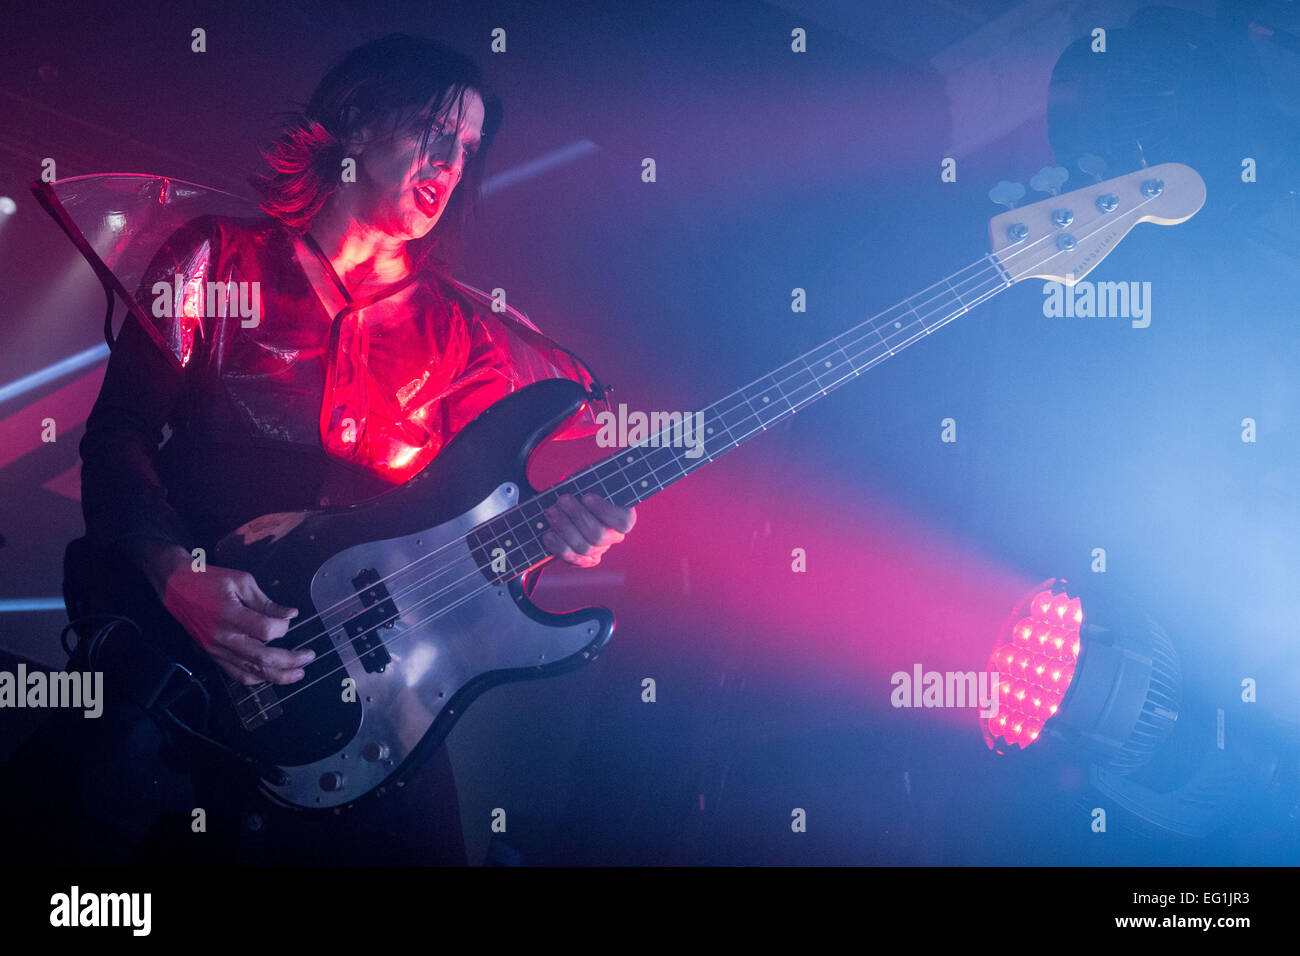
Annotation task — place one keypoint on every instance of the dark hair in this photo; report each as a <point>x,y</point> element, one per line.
<point>381,79</point>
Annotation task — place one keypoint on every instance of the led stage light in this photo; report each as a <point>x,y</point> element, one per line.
<point>1086,671</point>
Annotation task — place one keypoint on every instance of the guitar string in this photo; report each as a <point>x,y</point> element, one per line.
<point>982,263</point>
<point>474,569</point>
<point>988,274</point>
<point>1000,285</point>
<point>874,329</point>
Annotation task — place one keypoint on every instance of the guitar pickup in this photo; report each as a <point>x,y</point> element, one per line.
<point>364,628</point>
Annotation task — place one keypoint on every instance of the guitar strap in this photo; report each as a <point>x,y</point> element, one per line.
<point>140,672</point>
<point>310,241</point>
<point>136,667</point>
<point>166,692</point>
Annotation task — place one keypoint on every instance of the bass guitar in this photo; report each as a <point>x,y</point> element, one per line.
<point>417,601</point>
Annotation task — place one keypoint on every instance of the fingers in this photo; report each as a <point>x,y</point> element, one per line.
<point>581,532</point>
<point>254,659</point>
<point>234,621</point>
<point>241,670</point>
<point>576,531</point>
<point>252,596</point>
<point>593,532</point>
<point>256,625</point>
<point>560,548</point>
<point>621,520</point>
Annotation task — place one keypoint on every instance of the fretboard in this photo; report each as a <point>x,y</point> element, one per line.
<point>635,473</point>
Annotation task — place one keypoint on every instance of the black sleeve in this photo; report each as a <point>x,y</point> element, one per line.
<point>122,494</point>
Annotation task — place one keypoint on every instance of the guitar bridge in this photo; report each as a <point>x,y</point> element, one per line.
<point>255,706</point>
<point>364,628</point>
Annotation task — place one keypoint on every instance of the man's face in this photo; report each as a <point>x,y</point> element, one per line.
<point>405,194</point>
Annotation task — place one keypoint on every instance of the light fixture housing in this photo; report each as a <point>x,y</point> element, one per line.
<point>1085,670</point>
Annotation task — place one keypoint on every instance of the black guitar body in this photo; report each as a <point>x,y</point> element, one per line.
<point>408,625</point>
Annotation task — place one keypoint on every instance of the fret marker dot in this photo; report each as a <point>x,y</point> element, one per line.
<point>507,542</point>
<point>828,364</point>
<point>540,525</point>
<point>645,484</point>
<point>898,325</point>
<point>766,399</point>
<point>629,459</point>
<point>709,429</point>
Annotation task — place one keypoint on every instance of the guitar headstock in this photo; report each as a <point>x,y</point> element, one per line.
<point>1063,238</point>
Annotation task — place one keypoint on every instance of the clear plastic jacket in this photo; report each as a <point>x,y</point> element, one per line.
<point>385,384</point>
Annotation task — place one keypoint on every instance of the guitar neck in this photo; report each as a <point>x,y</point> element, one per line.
<point>645,468</point>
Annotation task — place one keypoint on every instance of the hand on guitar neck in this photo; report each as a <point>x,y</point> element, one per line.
<point>582,531</point>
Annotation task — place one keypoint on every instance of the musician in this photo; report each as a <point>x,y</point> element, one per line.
<point>366,195</point>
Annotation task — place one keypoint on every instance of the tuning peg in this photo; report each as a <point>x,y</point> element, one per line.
<point>1007,194</point>
<point>1049,179</point>
<point>1093,165</point>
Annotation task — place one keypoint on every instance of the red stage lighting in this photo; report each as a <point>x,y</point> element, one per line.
<point>1035,660</point>
<point>1102,676</point>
